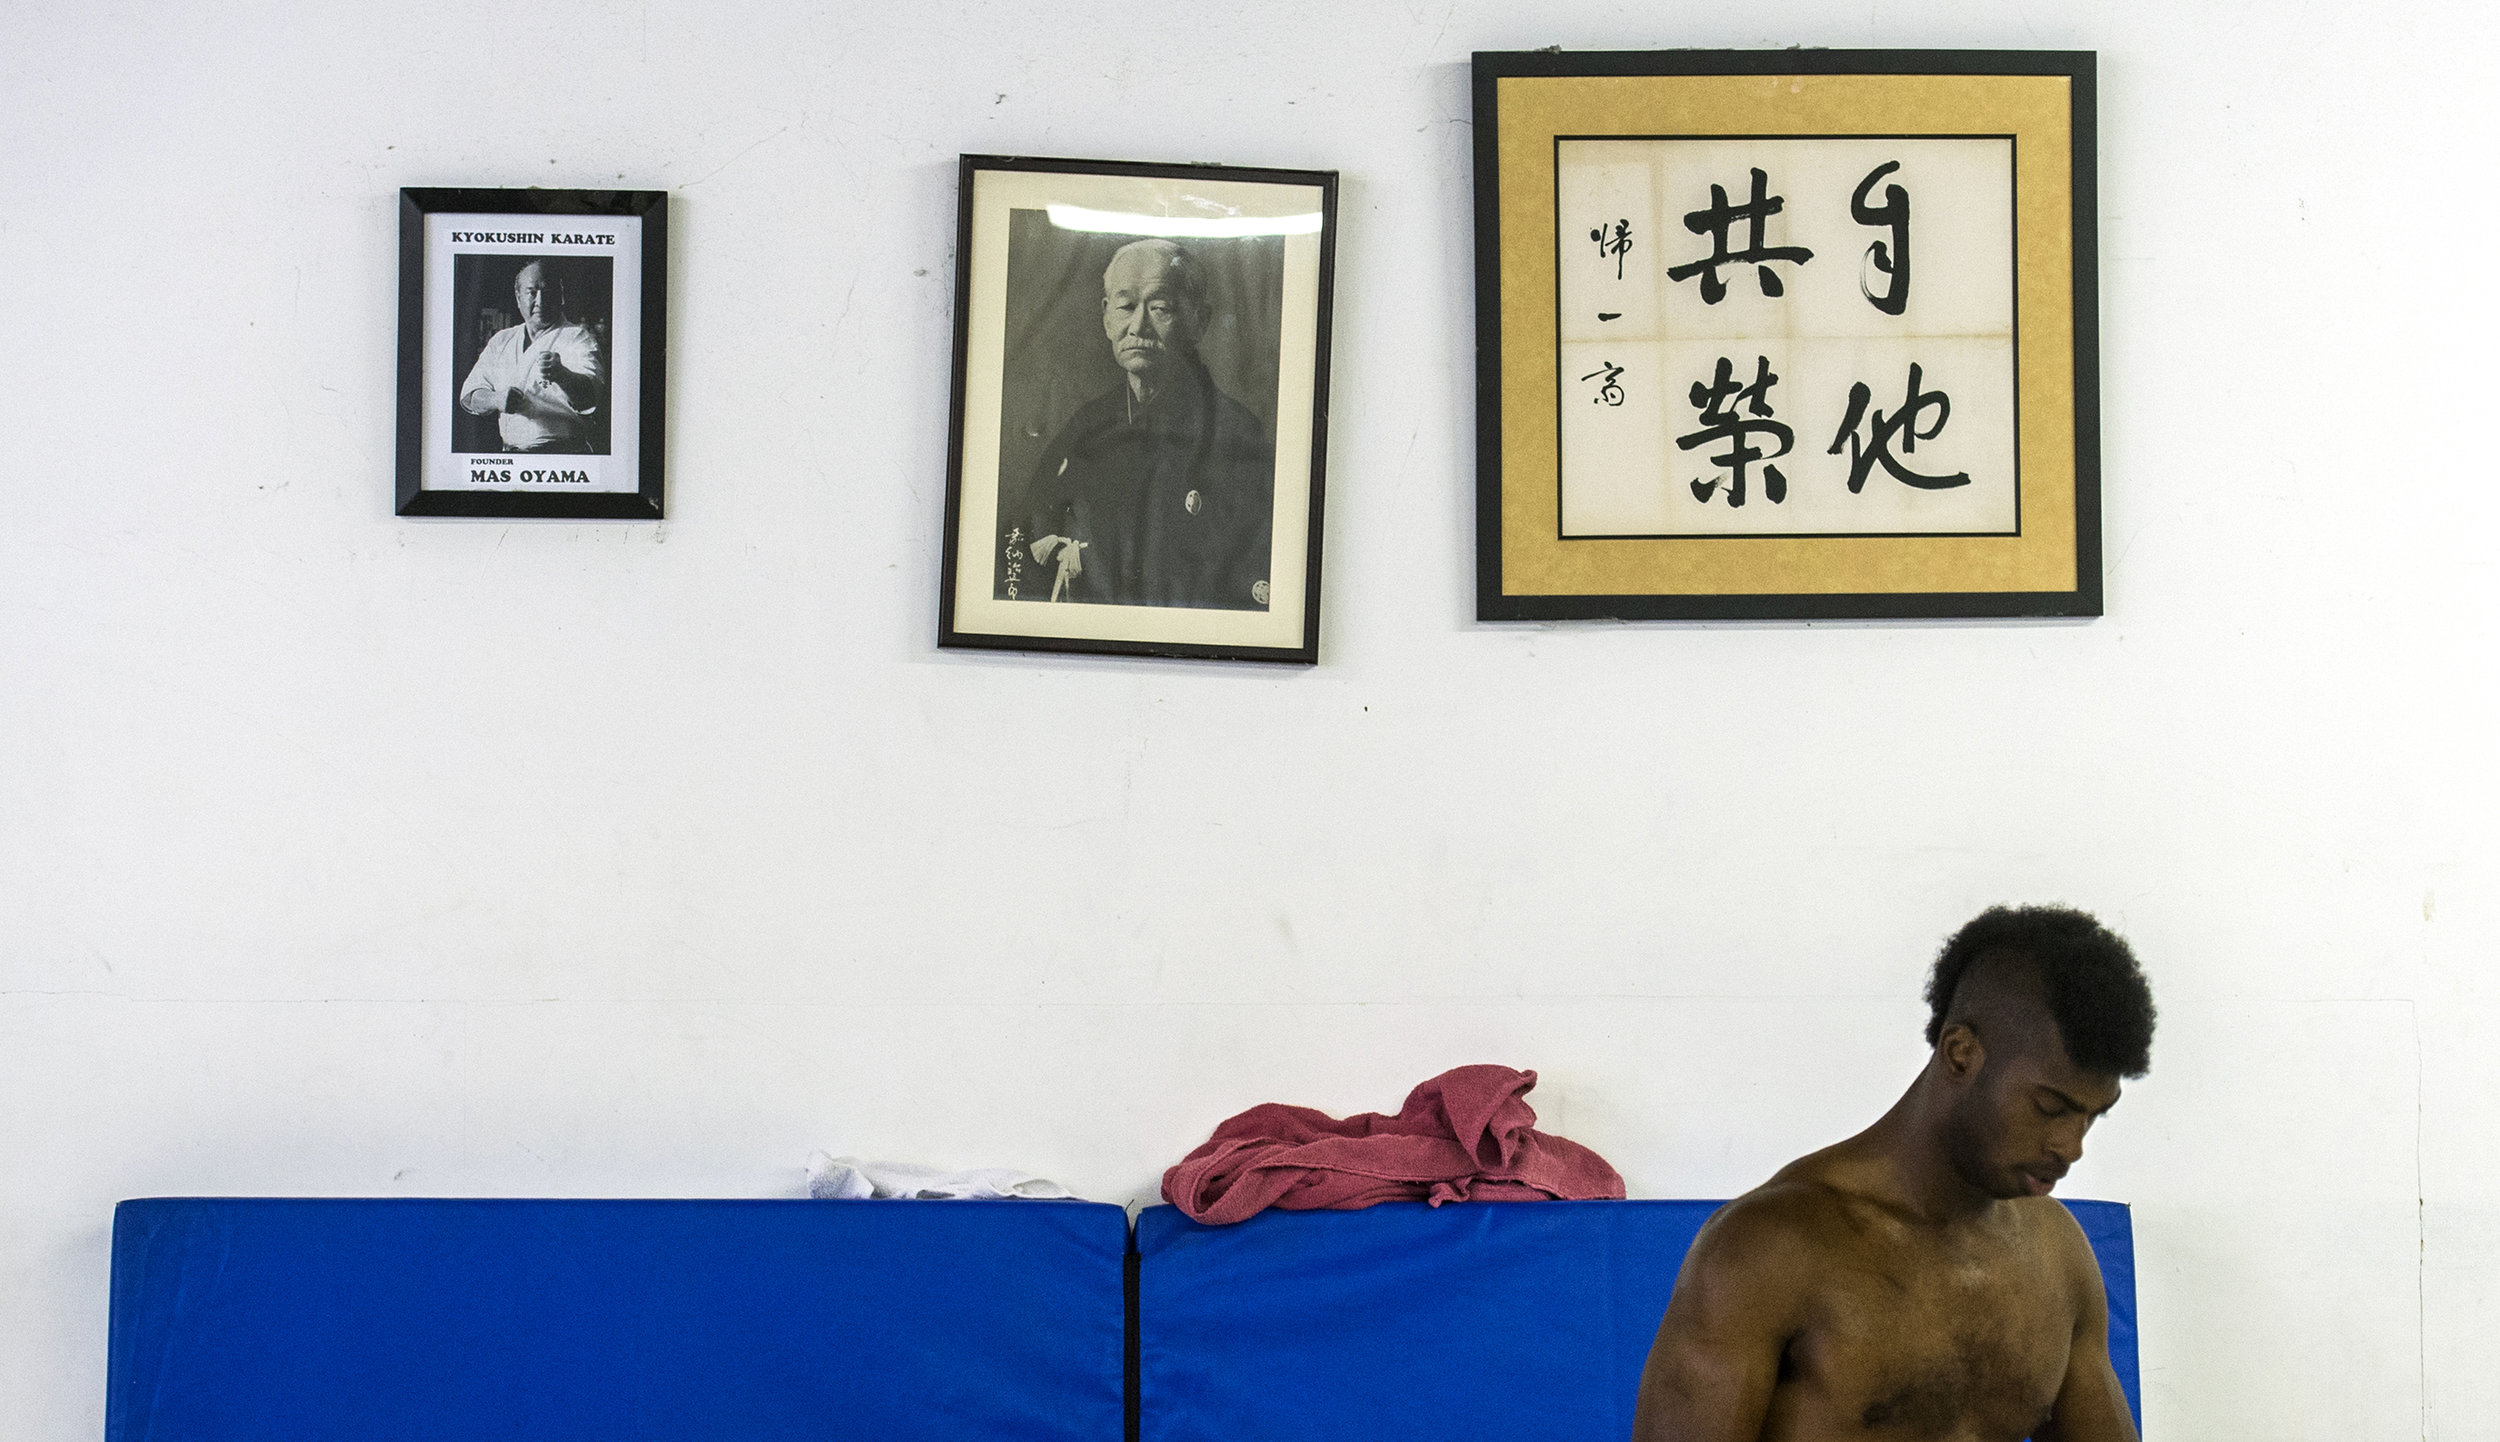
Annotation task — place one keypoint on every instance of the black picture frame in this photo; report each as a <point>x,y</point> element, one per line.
<point>1518,555</point>
<point>1034,248</point>
<point>442,330</point>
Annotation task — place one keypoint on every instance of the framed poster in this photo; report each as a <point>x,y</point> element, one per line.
<point>1786,334</point>
<point>1140,412</point>
<point>532,330</point>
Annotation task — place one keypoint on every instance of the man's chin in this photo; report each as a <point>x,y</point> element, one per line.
<point>2010,1186</point>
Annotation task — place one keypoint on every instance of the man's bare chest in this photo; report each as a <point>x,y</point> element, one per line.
<point>1965,1342</point>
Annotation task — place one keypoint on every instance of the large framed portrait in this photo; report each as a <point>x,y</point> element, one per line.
<point>1140,409</point>
<point>532,330</point>
<point>1786,334</point>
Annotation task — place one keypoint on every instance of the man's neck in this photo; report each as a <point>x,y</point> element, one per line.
<point>1903,1160</point>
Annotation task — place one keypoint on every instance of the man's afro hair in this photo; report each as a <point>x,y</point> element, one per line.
<point>2088,977</point>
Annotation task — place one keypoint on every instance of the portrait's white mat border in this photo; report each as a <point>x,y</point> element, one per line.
<point>618,471</point>
<point>976,610</point>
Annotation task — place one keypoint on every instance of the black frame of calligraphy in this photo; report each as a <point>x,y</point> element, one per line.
<point>1494,603</point>
<point>645,503</point>
<point>950,634</point>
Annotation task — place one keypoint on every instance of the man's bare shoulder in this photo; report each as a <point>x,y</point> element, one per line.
<point>2055,1231</point>
<point>1781,1229</point>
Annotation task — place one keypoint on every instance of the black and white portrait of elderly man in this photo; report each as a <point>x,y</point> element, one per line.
<point>1161,491</point>
<point>543,377</point>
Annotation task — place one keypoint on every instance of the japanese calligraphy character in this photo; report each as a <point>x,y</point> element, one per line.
<point>1609,391</point>
<point>1902,426</point>
<point>1715,221</point>
<point>1720,422</point>
<point>1614,244</point>
<point>1895,262</point>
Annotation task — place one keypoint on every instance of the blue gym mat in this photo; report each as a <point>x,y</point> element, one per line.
<point>259,1320</point>
<point>1525,1319</point>
<point>607,1321</point>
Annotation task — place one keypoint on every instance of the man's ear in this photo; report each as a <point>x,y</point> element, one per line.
<point>1961,1051</point>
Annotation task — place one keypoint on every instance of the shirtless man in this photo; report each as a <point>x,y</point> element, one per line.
<point>1916,1281</point>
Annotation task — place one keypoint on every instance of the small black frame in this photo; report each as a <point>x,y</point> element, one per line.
<point>643,427</point>
<point>1038,346</point>
<point>1508,468</point>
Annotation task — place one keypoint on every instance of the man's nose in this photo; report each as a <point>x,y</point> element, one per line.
<point>2066,1144</point>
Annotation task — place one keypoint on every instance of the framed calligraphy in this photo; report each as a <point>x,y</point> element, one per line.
<point>532,330</point>
<point>1786,335</point>
<point>1140,409</point>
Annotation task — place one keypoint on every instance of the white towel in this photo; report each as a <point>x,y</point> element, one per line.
<point>833,1179</point>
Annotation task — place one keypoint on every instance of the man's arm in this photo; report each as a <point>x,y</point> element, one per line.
<point>480,395</point>
<point>2091,1406</point>
<point>1739,1298</point>
<point>552,402</point>
<point>582,377</point>
<point>1056,528</point>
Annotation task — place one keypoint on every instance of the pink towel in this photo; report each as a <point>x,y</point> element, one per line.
<point>1465,1135</point>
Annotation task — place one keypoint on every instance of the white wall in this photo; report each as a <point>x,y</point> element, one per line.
<point>351,855</point>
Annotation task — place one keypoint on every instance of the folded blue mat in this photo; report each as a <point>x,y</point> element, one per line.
<point>289,1320</point>
<point>1518,1319</point>
<point>367,1321</point>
